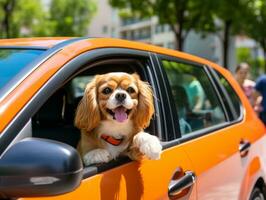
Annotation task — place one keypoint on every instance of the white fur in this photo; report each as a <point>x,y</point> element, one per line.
<point>97,156</point>
<point>112,101</point>
<point>148,144</point>
<point>116,129</point>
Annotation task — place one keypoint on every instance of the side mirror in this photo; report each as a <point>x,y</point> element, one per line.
<point>38,167</point>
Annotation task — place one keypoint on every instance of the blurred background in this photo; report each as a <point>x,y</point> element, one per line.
<point>224,31</point>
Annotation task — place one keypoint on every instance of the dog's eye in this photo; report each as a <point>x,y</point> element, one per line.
<point>131,90</point>
<point>107,90</point>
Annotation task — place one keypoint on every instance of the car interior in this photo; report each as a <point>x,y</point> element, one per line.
<point>55,119</point>
<point>184,78</point>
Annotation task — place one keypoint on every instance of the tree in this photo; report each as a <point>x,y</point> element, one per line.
<point>181,15</point>
<point>186,15</point>
<point>30,18</point>
<point>7,7</point>
<point>256,23</point>
<point>20,17</point>
<point>71,18</point>
<point>231,14</point>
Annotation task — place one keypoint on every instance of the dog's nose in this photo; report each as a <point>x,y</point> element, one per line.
<point>120,97</point>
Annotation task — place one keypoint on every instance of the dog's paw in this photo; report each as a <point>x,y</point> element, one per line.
<point>149,145</point>
<point>97,156</point>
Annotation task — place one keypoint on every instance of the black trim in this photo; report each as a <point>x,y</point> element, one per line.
<point>234,117</point>
<point>216,90</point>
<point>157,103</point>
<point>57,81</point>
<point>170,127</point>
<point>32,65</point>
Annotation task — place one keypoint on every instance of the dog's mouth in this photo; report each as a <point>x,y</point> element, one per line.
<point>120,113</point>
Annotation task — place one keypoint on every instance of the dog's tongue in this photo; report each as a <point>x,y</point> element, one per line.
<point>120,114</point>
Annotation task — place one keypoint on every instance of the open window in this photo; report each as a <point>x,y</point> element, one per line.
<point>55,119</point>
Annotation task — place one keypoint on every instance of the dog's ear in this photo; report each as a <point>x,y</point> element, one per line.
<point>88,112</point>
<point>145,108</point>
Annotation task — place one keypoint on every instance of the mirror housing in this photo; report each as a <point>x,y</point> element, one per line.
<point>36,167</point>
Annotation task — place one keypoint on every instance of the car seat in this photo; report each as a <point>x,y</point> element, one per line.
<point>50,121</point>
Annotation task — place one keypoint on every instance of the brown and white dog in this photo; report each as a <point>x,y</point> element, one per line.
<point>115,109</point>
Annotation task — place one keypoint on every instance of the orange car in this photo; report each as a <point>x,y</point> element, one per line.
<point>214,145</point>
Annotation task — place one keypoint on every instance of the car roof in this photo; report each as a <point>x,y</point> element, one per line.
<point>44,42</point>
<point>49,42</point>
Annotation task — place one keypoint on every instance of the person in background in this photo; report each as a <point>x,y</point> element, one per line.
<point>260,95</point>
<point>247,85</point>
<point>195,92</point>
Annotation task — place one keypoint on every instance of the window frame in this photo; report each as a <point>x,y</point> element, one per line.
<point>68,71</point>
<point>195,134</point>
<point>228,100</point>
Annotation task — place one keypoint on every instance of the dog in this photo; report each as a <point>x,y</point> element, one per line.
<point>112,115</point>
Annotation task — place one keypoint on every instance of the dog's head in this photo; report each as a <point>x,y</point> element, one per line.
<point>115,96</point>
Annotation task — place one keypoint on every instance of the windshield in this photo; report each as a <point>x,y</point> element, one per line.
<point>12,61</point>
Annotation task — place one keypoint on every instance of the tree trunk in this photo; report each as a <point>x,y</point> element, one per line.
<point>226,40</point>
<point>180,19</point>
<point>8,9</point>
<point>180,35</point>
<point>179,41</point>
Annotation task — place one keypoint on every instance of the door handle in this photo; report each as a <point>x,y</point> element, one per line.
<point>244,147</point>
<point>181,183</point>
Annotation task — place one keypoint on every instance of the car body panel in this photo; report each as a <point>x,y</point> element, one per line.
<point>145,180</point>
<point>219,166</point>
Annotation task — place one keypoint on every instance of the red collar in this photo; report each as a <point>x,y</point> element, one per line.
<point>112,140</point>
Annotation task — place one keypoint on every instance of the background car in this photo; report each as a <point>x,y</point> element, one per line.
<point>214,144</point>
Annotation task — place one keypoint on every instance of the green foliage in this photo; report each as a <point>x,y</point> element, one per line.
<point>71,18</point>
<point>256,64</point>
<point>32,18</point>
<point>256,67</point>
<point>181,15</point>
<point>198,15</point>
<point>255,23</point>
<point>23,18</point>
<point>243,54</point>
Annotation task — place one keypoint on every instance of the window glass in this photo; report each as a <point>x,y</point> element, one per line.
<point>12,61</point>
<point>232,94</point>
<point>196,101</point>
<point>79,84</point>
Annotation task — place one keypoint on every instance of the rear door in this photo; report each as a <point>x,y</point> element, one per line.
<point>210,139</point>
<point>172,175</point>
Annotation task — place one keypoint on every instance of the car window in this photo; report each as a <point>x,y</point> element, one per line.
<point>55,119</point>
<point>196,102</point>
<point>12,61</point>
<point>232,95</point>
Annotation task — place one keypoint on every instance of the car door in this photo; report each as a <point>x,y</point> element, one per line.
<point>211,141</point>
<point>169,177</point>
